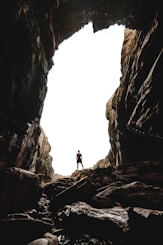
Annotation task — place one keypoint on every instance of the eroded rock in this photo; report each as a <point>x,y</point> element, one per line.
<point>21,229</point>
<point>134,194</point>
<point>19,190</point>
<point>86,219</point>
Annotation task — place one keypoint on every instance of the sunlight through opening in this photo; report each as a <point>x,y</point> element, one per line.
<point>85,75</point>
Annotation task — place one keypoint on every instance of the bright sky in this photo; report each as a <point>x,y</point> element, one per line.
<point>85,74</point>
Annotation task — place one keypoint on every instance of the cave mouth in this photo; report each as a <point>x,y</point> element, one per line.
<point>85,74</point>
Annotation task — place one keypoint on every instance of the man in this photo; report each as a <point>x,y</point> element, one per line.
<point>79,159</point>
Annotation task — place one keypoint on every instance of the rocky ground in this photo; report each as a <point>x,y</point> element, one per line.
<point>114,205</point>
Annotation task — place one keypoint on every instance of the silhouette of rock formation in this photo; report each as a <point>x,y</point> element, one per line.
<point>118,203</point>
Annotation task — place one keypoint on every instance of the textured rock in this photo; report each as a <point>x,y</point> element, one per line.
<point>44,159</point>
<point>21,229</point>
<point>86,219</point>
<point>81,190</point>
<point>135,111</point>
<point>146,226</point>
<point>115,211</point>
<point>19,190</point>
<point>48,239</point>
<point>134,194</point>
<point>130,189</point>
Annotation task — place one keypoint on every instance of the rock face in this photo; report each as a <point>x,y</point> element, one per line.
<point>119,204</point>
<point>135,111</point>
<point>114,205</point>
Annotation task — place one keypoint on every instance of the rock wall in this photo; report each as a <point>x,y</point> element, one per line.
<point>135,111</point>
<point>118,204</point>
<point>27,47</point>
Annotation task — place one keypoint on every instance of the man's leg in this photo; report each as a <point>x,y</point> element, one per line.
<point>82,165</point>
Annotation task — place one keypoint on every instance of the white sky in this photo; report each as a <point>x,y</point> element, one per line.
<point>85,74</point>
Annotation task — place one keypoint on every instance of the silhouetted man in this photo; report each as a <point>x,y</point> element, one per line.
<point>79,159</point>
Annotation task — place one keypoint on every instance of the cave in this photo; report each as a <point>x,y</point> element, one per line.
<point>119,202</point>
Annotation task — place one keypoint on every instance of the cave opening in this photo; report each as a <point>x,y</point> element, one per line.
<point>85,74</point>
